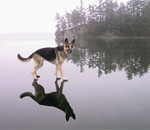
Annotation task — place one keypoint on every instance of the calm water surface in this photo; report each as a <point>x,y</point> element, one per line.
<point>108,87</point>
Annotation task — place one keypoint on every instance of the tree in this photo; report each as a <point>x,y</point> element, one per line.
<point>68,19</point>
<point>100,10</point>
<point>63,24</point>
<point>75,17</point>
<point>110,9</point>
<point>130,19</point>
<point>92,14</point>
<point>58,21</point>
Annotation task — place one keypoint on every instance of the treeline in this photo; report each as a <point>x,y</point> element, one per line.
<point>109,17</point>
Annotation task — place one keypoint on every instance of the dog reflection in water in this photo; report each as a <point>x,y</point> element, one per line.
<point>56,99</point>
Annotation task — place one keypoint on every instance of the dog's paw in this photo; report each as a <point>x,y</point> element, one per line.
<point>65,79</point>
<point>58,78</point>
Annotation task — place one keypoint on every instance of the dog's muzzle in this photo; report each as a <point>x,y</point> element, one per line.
<point>69,51</point>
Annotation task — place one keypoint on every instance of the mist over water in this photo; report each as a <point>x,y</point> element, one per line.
<point>108,85</point>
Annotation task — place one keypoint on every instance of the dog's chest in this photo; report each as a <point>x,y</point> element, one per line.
<point>61,57</point>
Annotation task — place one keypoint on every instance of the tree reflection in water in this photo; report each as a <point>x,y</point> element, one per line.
<point>108,55</point>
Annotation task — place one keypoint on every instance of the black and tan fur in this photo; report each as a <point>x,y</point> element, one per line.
<point>56,56</point>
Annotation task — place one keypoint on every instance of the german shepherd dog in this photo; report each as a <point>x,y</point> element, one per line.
<point>55,99</point>
<point>56,56</point>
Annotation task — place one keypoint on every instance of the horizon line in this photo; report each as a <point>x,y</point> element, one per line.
<point>25,32</point>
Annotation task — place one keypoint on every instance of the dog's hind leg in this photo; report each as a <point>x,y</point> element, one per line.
<point>38,64</point>
<point>34,74</point>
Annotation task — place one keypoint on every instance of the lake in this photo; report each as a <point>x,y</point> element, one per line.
<point>108,86</point>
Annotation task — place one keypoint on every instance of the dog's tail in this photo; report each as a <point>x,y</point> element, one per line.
<point>27,94</point>
<point>24,59</point>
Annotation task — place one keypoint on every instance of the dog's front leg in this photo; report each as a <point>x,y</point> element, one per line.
<point>61,72</point>
<point>56,72</point>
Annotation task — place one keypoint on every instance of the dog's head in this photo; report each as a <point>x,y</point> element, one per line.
<point>69,113</point>
<point>68,46</point>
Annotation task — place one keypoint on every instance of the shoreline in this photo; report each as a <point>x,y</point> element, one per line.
<point>120,37</point>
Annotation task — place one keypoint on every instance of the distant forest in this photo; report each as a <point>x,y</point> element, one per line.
<point>109,17</point>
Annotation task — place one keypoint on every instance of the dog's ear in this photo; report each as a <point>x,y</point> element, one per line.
<point>73,41</point>
<point>66,41</point>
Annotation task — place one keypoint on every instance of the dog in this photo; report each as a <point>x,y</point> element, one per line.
<point>55,55</point>
<point>55,99</point>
